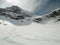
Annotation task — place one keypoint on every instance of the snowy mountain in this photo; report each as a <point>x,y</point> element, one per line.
<point>54,16</point>
<point>19,27</point>
<point>18,16</point>
<point>15,12</point>
<point>15,15</point>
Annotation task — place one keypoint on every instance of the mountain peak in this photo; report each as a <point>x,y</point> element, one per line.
<point>55,13</point>
<point>14,12</point>
<point>53,16</point>
<point>14,9</point>
<point>15,15</point>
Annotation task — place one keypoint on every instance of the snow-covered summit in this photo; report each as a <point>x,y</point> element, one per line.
<point>14,12</point>
<point>53,16</point>
<point>15,15</point>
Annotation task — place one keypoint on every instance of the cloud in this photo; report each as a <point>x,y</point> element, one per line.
<point>2,2</point>
<point>41,7</point>
<point>46,6</point>
<point>28,5</point>
<point>41,3</point>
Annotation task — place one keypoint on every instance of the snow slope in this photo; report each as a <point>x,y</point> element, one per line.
<point>33,34</point>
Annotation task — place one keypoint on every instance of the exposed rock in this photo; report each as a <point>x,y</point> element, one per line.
<point>15,12</point>
<point>45,18</point>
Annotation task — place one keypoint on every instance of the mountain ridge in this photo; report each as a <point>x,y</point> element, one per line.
<point>14,12</point>
<point>54,15</point>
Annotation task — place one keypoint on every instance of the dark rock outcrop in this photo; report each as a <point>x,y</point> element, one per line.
<point>14,12</point>
<point>45,18</point>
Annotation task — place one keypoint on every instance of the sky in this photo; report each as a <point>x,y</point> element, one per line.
<point>47,6</point>
<point>38,7</point>
<point>28,5</point>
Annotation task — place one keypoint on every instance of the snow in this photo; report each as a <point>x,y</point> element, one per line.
<point>32,34</point>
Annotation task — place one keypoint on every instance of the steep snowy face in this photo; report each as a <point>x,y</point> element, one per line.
<point>15,15</point>
<point>54,16</point>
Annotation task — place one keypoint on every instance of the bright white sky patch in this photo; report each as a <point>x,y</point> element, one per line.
<point>9,1</point>
<point>28,5</point>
